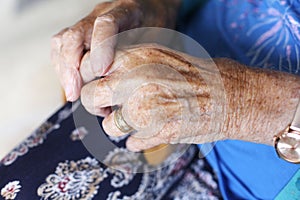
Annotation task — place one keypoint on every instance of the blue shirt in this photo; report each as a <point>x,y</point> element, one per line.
<point>258,33</point>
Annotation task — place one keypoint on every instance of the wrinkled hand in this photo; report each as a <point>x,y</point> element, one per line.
<point>163,95</point>
<point>107,19</point>
<point>167,99</point>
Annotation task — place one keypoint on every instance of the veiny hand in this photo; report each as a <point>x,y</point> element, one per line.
<point>166,99</point>
<point>163,95</point>
<point>107,19</point>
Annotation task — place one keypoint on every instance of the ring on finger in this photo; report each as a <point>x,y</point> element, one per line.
<point>120,122</point>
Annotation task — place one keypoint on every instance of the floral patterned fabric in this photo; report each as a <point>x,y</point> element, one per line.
<point>54,164</point>
<point>258,33</point>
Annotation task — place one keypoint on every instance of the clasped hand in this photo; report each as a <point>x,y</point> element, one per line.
<point>167,96</point>
<point>163,95</point>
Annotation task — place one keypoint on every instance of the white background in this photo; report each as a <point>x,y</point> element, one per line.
<point>30,91</point>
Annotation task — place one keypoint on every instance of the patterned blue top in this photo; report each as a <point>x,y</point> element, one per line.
<point>257,33</point>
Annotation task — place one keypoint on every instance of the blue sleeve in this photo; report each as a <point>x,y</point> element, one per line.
<point>257,33</point>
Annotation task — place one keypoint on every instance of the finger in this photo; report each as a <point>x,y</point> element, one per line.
<point>102,51</point>
<point>138,144</point>
<point>91,96</point>
<point>169,134</point>
<point>67,48</point>
<point>110,127</point>
<point>106,26</point>
<point>88,22</point>
<point>71,81</point>
<point>101,93</point>
<point>85,69</point>
<point>104,112</point>
<point>96,95</point>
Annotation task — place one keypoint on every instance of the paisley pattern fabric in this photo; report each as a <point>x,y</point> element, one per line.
<point>53,163</point>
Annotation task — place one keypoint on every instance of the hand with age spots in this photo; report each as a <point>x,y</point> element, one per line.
<point>73,47</point>
<point>162,94</point>
<point>257,101</point>
<point>168,100</point>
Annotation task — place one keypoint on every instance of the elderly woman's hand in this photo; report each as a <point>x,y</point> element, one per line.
<point>106,20</point>
<point>167,99</point>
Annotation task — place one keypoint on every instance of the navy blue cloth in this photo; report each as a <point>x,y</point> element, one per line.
<point>54,164</point>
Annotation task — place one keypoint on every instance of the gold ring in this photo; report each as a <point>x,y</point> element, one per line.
<point>120,123</point>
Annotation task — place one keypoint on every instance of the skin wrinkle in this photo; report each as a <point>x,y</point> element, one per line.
<point>168,59</point>
<point>172,61</point>
<point>262,106</point>
<point>138,57</point>
<point>109,90</point>
<point>174,58</point>
<point>72,43</point>
<point>259,103</point>
<point>172,107</point>
<point>153,99</point>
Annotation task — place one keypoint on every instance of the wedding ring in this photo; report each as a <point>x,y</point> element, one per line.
<point>120,123</point>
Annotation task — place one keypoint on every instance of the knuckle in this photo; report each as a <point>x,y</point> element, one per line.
<point>58,36</point>
<point>56,41</point>
<point>107,18</point>
<point>66,37</point>
<point>73,35</point>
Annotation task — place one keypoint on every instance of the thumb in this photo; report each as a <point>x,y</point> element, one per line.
<point>106,26</point>
<point>103,44</point>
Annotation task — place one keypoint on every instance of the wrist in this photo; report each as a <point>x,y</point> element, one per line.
<point>283,98</point>
<point>260,103</point>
